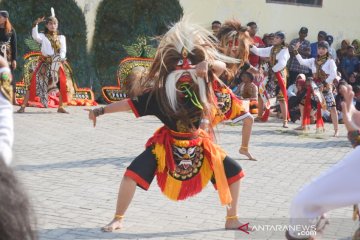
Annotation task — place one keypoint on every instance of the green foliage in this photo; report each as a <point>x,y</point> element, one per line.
<point>71,23</point>
<point>32,44</point>
<point>118,25</point>
<point>140,49</point>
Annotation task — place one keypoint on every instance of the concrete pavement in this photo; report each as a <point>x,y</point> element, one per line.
<point>72,173</point>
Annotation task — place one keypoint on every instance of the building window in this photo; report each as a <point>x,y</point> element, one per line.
<point>309,3</point>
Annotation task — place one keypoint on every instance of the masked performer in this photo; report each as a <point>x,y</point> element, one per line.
<point>49,75</point>
<point>8,48</point>
<point>6,115</point>
<point>324,72</point>
<point>337,187</point>
<point>180,154</point>
<point>279,55</point>
<point>234,42</point>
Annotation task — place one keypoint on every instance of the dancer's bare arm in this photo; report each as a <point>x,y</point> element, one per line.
<point>217,67</point>
<point>351,116</point>
<point>120,106</point>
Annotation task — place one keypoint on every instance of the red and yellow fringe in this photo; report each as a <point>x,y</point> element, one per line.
<point>212,163</point>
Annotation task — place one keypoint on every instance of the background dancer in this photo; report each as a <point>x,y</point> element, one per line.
<point>49,75</point>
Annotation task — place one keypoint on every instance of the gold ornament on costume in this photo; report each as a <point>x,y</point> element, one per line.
<point>320,74</point>
<point>55,42</point>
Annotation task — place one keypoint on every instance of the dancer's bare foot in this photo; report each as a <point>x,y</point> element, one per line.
<point>21,109</point>
<point>245,151</point>
<point>113,225</point>
<point>258,119</point>
<point>235,224</point>
<point>62,110</point>
<point>299,128</point>
<point>285,124</point>
<point>336,133</point>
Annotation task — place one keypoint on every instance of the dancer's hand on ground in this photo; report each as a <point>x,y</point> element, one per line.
<point>351,116</point>
<point>91,116</point>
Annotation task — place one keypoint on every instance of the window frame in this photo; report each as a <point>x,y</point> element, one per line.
<point>294,3</point>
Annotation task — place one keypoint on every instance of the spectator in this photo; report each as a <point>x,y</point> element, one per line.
<point>342,52</point>
<point>15,211</point>
<point>332,51</point>
<point>295,68</point>
<point>353,79</point>
<point>215,26</point>
<point>268,39</point>
<point>254,59</point>
<point>350,63</point>
<point>314,46</point>
<point>356,44</point>
<point>356,90</point>
<point>247,87</point>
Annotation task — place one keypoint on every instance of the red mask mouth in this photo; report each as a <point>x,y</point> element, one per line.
<point>185,77</point>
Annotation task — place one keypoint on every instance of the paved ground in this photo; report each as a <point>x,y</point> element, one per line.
<point>72,173</point>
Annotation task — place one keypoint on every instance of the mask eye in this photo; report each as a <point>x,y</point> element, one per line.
<point>180,62</point>
<point>189,61</point>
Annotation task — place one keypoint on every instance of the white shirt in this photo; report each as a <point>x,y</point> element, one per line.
<point>329,67</point>
<point>6,126</point>
<point>282,57</point>
<point>46,48</point>
<point>292,90</point>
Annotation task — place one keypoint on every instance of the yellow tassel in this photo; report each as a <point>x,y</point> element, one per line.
<point>205,172</point>
<point>160,153</point>
<point>172,188</point>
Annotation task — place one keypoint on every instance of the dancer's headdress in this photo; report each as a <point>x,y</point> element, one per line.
<point>233,33</point>
<point>52,16</point>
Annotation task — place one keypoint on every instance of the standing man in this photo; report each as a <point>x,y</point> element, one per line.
<point>215,26</point>
<point>295,68</point>
<point>314,46</point>
<point>257,42</point>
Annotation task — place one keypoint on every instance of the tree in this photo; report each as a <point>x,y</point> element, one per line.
<point>119,23</point>
<point>71,24</point>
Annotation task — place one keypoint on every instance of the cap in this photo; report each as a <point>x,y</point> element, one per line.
<point>300,76</point>
<point>300,79</point>
<point>303,30</point>
<point>323,44</point>
<point>330,39</point>
<point>280,34</point>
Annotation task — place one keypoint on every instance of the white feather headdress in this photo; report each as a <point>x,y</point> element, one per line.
<point>52,12</point>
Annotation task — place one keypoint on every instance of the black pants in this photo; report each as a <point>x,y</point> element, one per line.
<point>142,170</point>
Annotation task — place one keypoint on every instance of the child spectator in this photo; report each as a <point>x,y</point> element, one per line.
<point>247,87</point>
